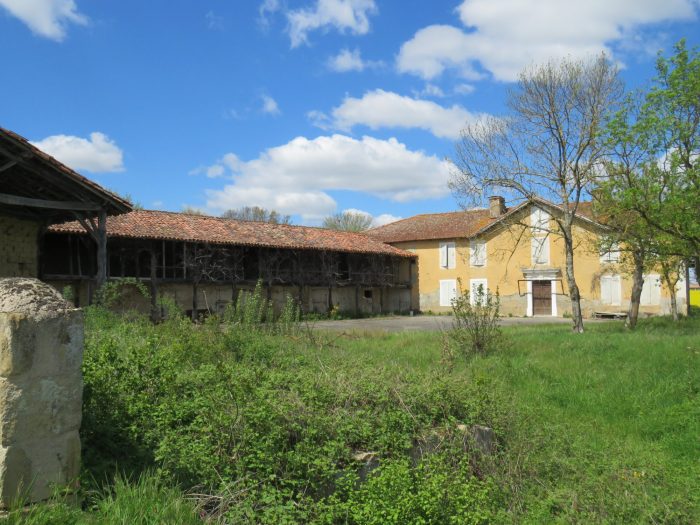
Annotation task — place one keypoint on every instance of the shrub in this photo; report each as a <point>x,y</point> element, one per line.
<point>475,329</point>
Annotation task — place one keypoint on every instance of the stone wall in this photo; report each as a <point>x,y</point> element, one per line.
<point>18,247</point>
<point>41,348</point>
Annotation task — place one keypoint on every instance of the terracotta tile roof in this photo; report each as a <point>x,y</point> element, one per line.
<point>451,225</point>
<point>160,225</point>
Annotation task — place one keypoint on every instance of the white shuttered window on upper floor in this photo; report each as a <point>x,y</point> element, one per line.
<point>539,221</point>
<point>477,253</point>
<point>540,250</point>
<point>448,256</point>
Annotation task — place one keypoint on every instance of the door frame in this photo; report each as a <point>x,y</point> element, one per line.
<point>541,275</point>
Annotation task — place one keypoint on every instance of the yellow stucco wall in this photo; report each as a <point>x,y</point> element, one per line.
<point>18,247</point>
<point>508,255</point>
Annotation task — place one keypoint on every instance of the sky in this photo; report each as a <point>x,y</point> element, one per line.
<point>308,107</point>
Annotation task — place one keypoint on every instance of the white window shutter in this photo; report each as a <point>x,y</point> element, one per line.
<point>616,283</point>
<point>451,255</point>
<point>605,290</point>
<point>539,220</point>
<point>651,291</point>
<point>477,253</point>
<point>448,291</point>
<point>544,252</point>
<point>443,255</point>
<point>474,295</point>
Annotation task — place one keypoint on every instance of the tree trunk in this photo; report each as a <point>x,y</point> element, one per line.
<point>671,283</point>
<point>637,285</point>
<point>574,293</point>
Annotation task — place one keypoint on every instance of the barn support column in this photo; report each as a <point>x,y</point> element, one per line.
<point>101,238</point>
<point>155,313</point>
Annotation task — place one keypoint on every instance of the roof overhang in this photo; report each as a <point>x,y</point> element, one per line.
<point>35,185</point>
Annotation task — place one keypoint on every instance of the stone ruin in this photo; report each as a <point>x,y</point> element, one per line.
<point>41,351</point>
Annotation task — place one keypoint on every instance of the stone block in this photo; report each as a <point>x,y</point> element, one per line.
<point>30,470</point>
<point>41,346</point>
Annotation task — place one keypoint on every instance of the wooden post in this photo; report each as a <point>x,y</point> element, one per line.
<point>194,300</point>
<point>155,314</point>
<point>101,238</point>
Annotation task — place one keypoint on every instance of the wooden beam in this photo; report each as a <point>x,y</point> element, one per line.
<point>16,200</point>
<point>7,165</point>
<point>101,234</point>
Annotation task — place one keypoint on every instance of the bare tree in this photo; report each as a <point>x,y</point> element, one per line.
<point>547,146</point>
<point>257,214</point>
<point>350,221</point>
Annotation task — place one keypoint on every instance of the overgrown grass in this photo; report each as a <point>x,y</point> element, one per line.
<point>595,428</point>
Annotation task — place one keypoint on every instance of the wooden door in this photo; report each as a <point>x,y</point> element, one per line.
<point>542,297</point>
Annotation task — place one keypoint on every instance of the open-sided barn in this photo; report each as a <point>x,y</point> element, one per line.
<point>203,262</point>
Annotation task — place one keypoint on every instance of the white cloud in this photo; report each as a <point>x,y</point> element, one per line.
<point>98,154</point>
<point>214,21</point>
<point>379,220</point>
<point>295,178</point>
<point>464,89</point>
<point>269,105</point>
<point>47,18</point>
<point>344,15</point>
<point>348,60</point>
<point>267,8</point>
<point>507,35</point>
<point>384,218</point>
<point>385,109</point>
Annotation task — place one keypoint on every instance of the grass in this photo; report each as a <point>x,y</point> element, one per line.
<point>600,427</point>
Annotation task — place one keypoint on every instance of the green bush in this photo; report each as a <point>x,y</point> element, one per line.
<point>475,329</point>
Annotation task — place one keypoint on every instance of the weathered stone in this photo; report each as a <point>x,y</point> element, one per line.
<point>31,297</point>
<point>16,343</point>
<point>41,345</point>
<point>484,438</point>
<point>369,461</point>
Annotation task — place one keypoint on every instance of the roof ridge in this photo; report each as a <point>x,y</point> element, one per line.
<point>250,221</point>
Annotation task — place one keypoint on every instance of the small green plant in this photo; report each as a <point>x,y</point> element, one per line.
<point>476,328</point>
<point>112,291</point>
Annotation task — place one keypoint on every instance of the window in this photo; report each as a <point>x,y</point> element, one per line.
<point>651,291</point>
<point>448,291</point>
<point>477,253</point>
<point>611,256</point>
<point>539,221</point>
<point>447,255</point>
<point>478,290</point>
<point>611,290</point>
<point>540,250</point>
<point>367,294</point>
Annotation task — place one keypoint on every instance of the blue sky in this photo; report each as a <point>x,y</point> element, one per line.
<point>309,106</point>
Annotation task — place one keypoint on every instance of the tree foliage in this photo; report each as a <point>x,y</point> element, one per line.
<point>351,221</point>
<point>257,214</point>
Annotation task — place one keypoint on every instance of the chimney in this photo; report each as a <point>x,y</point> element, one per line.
<point>497,206</point>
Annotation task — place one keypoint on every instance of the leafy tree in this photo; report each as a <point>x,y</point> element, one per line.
<point>257,214</point>
<point>351,221</point>
<point>668,196</point>
<point>548,145</point>
<point>649,190</point>
<point>626,161</point>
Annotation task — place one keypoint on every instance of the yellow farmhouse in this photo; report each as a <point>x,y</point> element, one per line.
<point>517,252</point>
